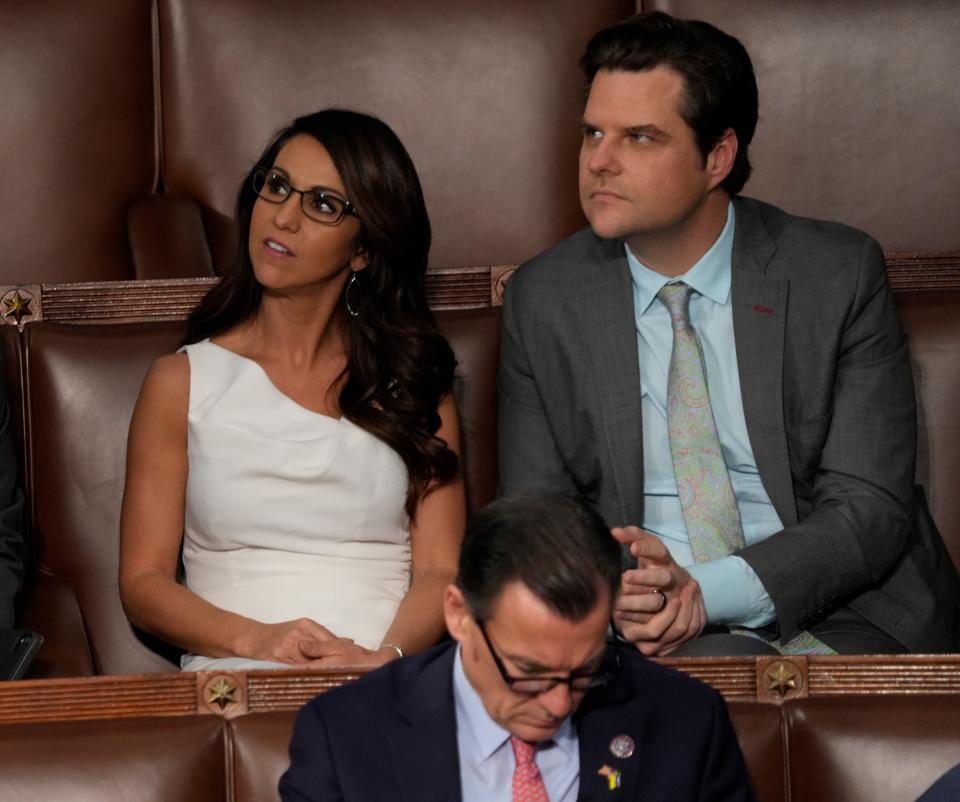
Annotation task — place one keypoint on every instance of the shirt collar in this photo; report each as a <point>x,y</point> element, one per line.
<point>710,276</point>
<point>472,717</point>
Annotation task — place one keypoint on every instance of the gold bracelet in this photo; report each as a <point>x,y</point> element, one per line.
<point>393,646</point>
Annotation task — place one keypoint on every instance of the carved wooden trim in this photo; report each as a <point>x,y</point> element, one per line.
<point>771,680</point>
<point>782,678</point>
<point>871,674</point>
<point>499,276</point>
<point>97,302</point>
<point>222,693</point>
<point>285,690</point>
<point>753,679</point>
<point>923,270</point>
<point>20,304</point>
<point>123,301</point>
<point>458,288</point>
<point>98,697</point>
<point>734,677</point>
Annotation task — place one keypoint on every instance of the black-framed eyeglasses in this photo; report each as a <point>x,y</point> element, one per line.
<point>609,668</point>
<point>317,204</point>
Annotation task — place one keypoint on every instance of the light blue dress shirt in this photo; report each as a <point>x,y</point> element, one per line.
<point>486,757</point>
<point>732,593</point>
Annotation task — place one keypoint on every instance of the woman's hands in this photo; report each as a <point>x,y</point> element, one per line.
<point>292,642</point>
<point>343,652</point>
<point>304,642</point>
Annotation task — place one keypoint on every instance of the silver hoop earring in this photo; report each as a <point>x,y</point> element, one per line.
<point>354,282</point>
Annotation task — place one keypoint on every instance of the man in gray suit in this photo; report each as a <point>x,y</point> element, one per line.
<point>726,382</point>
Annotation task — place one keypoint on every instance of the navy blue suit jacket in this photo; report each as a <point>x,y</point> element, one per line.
<point>946,789</point>
<point>392,736</point>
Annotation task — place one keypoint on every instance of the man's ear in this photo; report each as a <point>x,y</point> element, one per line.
<point>720,159</point>
<point>455,612</point>
<point>359,260</point>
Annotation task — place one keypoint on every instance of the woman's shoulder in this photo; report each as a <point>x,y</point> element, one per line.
<point>161,409</point>
<point>170,367</point>
<point>168,380</point>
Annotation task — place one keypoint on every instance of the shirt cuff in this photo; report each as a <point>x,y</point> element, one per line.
<point>733,595</point>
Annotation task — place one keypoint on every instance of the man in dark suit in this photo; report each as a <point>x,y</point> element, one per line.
<point>725,381</point>
<point>531,701</point>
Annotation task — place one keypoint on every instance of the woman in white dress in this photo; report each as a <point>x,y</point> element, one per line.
<point>301,450</point>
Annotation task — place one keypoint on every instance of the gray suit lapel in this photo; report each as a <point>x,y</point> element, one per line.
<point>608,319</point>
<point>759,325</point>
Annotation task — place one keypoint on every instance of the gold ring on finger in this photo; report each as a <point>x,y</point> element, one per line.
<point>663,599</point>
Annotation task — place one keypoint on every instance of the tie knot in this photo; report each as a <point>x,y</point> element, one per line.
<point>523,751</point>
<point>676,297</point>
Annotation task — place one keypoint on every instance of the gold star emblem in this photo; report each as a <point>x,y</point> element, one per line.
<point>500,284</point>
<point>782,679</point>
<point>18,306</point>
<point>222,693</point>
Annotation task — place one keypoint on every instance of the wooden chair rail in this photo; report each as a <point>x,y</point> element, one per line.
<point>447,288</point>
<point>770,680</point>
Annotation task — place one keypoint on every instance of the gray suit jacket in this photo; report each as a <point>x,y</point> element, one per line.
<point>828,400</point>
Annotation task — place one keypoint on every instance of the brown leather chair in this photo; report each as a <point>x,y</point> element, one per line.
<point>486,98</point>
<point>759,730</point>
<point>848,749</point>
<point>135,176</point>
<point>474,335</point>
<point>858,110</point>
<point>118,760</point>
<point>932,323</point>
<point>82,384</point>
<point>858,750</point>
<point>261,754</point>
<point>76,87</point>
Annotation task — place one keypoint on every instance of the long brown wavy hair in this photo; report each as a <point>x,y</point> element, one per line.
<point>399,366</point>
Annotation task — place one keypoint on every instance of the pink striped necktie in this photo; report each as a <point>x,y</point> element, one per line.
<point>527,781</point>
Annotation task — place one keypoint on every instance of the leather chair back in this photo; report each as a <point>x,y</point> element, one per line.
<point>76,88</point>
<point>261,743</point>
<point>83,384</point>
<point>892,749</point>
<point>933,330</point>
<point>135,176</point>
<point>486,97</point>
<point>760,733</point>
<point>475,337</point>
<point>117,760</point>
<point>858,110</point>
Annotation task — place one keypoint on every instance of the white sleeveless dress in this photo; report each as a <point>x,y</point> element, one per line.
<point>289,513</point>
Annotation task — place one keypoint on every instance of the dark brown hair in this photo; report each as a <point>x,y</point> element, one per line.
<point>720,89</point>
<point>399,366</point>
<point>559,547</point>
